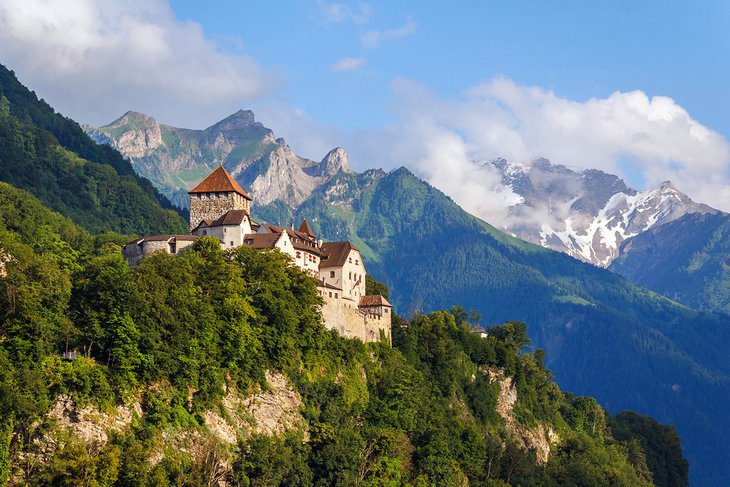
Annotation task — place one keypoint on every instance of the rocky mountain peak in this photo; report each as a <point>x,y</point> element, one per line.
<point>584,213</point>
<point>335,161</point>
<point>241,120</point>
<point>135,120</point>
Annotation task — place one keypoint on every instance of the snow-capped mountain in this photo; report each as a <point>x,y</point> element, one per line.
<point>585,213</point>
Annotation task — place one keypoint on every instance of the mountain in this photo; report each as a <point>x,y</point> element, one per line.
<point>50,156</point>
<point>175,159</point>
<point>180,372</point>
<point>604,336</point>
<point>687,260</point>
<point>584,213</point>
<point>629,347</point>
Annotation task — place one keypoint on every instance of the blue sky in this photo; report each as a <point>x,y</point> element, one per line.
<point>577,49</point>
<point>635,88</point>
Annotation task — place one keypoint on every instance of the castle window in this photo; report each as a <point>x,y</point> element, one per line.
<point>335,294</point>
<point>330,294</point>
<point>350,275</point>
<point>332,273</point>
<point>357,262</point>
<point>205,232</point>
<point>350,260</point>
<point>173,248</point>
<point>231,243</point>
<point>299,254</point>
<point>386,310</point>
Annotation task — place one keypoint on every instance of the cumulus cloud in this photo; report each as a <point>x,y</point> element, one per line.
<point>626,133</point>
<point>374,38</point>
<point>95,59</point>
<point>342,12</point>
<point>348,64</point>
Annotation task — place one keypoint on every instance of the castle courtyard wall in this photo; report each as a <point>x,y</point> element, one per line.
<point>344,316</point>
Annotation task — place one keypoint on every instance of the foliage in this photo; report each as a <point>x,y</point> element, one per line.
<point>685,259</point>
<point>603,336</point>
<point>659,443</point>
<point>175,332</point>
<point>50,156</point>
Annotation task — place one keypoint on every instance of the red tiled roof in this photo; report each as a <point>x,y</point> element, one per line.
<point>261,240</point>
<point>373,300</point>
<point>231,217</point>
<point>219,181</point>
<point>306,229</point>
<point>336,253</point>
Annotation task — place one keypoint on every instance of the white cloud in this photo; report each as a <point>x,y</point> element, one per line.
<point>348,64</point>
<point>375,38</point>
<point>341,12</point>
<point>439,138</point>
<point>95,59</point>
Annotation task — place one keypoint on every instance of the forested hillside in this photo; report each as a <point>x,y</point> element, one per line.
<point>604,336</point>
<point>50,156</point>
<point>687,260</point>
<point>178,343</point>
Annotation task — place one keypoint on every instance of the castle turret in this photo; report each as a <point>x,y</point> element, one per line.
<point>216,195</point>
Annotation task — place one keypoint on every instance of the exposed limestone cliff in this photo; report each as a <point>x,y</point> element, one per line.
<point>538,438</point>
<point>271,412</point>
<point>267,412</point>
<point>174,159</point>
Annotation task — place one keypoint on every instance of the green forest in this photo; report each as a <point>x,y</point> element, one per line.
<point>178,334</point>
<point>50,156</point>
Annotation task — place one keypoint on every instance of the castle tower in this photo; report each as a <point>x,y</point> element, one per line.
<point>215,195</point>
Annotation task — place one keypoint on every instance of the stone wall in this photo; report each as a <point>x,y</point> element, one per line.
<point>210,206</point>
<point>133,252</point>
<point>343,315</point>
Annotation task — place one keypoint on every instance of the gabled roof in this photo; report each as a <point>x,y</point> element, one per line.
<point>203,224</point>
<point>336,253</point>
<point>306,229</point>
<point>219,181</point>
<point>231,217</point>
<point>261,240</point>
<point>478,329</point>
<point>373,300</point>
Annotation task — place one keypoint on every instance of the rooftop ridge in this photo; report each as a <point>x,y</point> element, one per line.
<point>219,181</point>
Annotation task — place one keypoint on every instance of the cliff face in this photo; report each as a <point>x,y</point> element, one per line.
<point>539,438</point>
<point>174,159</point>
<point>266,412</point>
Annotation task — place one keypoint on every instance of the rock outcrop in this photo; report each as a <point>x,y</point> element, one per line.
<point>175,159</point>
<point>268,412</point>
<point>539,438</point>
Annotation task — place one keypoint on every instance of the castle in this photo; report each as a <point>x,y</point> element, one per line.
<point>220,208</point>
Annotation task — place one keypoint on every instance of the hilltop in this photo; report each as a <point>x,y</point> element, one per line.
<point>625,345</point>
<point>214,366</point>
